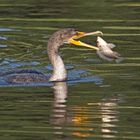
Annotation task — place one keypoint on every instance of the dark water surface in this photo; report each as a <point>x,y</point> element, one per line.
<point>101,100</point>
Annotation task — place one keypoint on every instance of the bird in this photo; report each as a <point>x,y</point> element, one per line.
<point>57,39</point>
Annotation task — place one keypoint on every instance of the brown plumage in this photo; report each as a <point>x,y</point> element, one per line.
<point>59,72</point>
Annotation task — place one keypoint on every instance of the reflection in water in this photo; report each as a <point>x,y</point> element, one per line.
<point>59,115</point>
<point>106,117</point>
<point>60,92</point>
<point>83,117</point>
<point>25,26</point>
<point>109,117</point>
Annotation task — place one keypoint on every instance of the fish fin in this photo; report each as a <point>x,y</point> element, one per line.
<point>111,55</point>
<point>111,45</point>
<point>103,56</point>
<point>120,59</point>
<point>117,54</point>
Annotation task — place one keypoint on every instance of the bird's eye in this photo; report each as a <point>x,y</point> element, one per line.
<point>77,33</point>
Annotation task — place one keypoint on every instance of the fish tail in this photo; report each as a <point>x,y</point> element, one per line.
<point>120,59</point>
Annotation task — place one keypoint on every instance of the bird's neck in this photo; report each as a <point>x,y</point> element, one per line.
<point>59,71</point>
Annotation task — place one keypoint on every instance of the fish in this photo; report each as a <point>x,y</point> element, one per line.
<point>105,51</point>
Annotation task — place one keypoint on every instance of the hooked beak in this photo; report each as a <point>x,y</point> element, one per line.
<point>74,40</point>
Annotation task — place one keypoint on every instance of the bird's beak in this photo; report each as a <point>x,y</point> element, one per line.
<point>74,40</point>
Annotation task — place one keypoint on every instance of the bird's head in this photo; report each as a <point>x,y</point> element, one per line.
<point>71,36</point>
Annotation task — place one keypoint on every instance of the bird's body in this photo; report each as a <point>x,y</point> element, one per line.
<point>59,71</point>
<point>26,78</point>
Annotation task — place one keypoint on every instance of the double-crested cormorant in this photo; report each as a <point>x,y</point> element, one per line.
<point>69,36</point>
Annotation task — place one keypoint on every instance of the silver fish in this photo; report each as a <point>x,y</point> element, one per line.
<point>105,51</point>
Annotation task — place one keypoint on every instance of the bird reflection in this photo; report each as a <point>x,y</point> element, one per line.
<point>59,115</point>
<point>109,117</point>
<point>61,118</point>
<point>60,92</point>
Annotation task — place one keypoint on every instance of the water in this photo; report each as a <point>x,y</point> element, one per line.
<point>101,99</point>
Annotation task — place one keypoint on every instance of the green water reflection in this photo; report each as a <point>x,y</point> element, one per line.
<point>106,107</point>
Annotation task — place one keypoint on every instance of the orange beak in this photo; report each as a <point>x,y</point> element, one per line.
<point>73,40</point>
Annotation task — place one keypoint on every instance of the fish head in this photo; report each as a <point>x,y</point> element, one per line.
<point>101,43</point>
